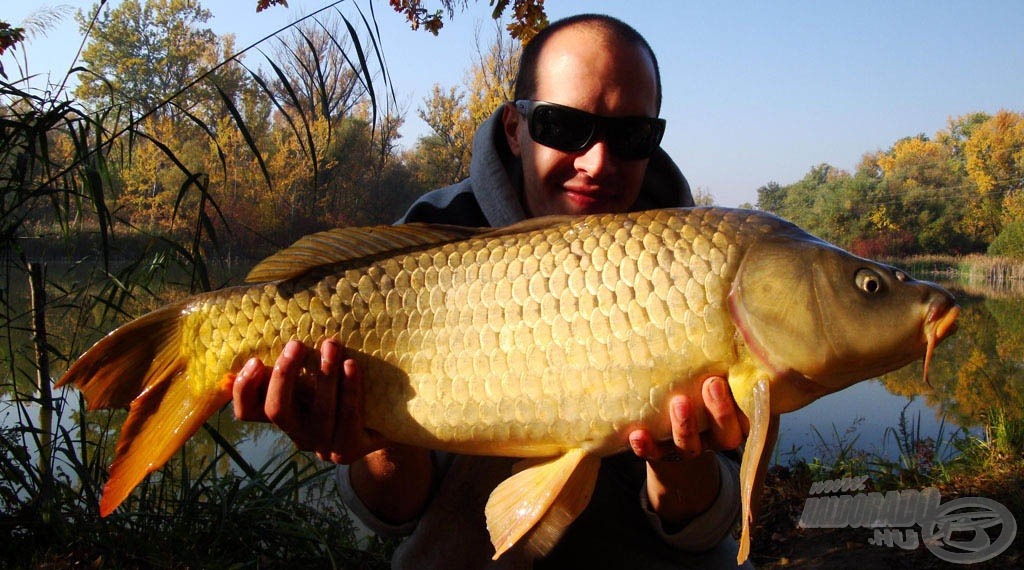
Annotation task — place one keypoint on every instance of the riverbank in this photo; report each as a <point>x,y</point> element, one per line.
<point>977,273</point>
<point>990,467</point>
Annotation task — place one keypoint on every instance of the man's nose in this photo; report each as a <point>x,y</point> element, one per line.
<point>595,159</point>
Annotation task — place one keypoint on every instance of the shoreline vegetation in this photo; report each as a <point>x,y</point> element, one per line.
<point>976,273</point>
<point>959,465</point>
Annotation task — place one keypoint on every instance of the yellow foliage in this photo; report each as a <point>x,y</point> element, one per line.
<point>910,156</point>
<point>973,392</point>
<point>881,220</point>
<point>1013,207</point>
<point>995,153</point>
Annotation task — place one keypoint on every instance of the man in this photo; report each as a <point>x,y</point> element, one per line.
<point>581,137</point>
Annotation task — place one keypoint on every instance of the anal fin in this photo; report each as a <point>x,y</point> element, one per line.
<point>540,500</point>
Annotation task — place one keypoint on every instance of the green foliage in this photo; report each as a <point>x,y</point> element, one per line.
<point>1009,242</point>
<point>141,51</point>
<point>950,194</point>
<point>770,197</point>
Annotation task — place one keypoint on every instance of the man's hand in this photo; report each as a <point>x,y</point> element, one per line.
<point>321,412</point>
<point>682,480</point>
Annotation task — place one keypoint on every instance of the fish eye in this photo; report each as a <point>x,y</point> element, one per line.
<point>869,281</point>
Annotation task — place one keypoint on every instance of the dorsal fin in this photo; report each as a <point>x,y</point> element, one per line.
<point>346,244</point>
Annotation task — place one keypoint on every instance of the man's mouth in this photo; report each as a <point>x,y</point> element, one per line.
<point>586,196</point>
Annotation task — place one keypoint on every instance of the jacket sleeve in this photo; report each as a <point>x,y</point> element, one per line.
<point>713,525</point>
<point>442,461</point>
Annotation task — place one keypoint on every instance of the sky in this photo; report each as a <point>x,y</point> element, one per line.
<point>754,92</point>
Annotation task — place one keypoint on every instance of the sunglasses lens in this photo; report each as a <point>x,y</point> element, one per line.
<point>562,129</point>
<point>634,138</point>
<point>571,130</point>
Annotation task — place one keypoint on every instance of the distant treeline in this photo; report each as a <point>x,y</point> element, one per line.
<point>955,193</point>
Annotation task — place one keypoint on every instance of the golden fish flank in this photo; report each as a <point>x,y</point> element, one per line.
<point>550,339</point>
<point>508,375</point>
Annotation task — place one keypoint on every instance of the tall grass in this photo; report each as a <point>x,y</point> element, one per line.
<point>57,180</point>
<point>986,274</point>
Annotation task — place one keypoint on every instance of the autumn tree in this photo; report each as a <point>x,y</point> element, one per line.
<point>331,119</point>
<point>921,175</point>
<point>316,75</point>
<point>442,157</point>
<point>954,193</point>
<point>453,114</point>
<point>994,154</point>
<point>994,157</point>
<point>141,52</point>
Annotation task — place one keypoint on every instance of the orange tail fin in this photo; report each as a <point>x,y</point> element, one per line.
<point>142,365</point>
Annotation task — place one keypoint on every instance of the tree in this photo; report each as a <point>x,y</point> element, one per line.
<point>318,79</point>
<point>140,54</point>
<point>492,76</point>
<point>994,156</point>
<point>958,131</point>
<point>770,197</point>
<point>703,197</point>
<point>453,115</point>
<point>921,176</point>
<point>442,157</point>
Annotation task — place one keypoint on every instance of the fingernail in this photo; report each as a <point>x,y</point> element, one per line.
<point>681,410</point>
<point>717,389</point>
<point>291,350</point>
<point>249,368</point>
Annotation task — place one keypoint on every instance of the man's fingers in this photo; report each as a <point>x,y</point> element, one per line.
<point>321,411</point>
<point>323,417</point>
<point>726,432</point>
<point>351,438</point>
<point>644,446</point>
<point>249,392</point>
<point>280,405</point>
<point>685,434</point>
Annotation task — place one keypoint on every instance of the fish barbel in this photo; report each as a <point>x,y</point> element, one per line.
<point>549,340</point>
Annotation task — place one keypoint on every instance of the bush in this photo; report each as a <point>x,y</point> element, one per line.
<point>1009,242</point>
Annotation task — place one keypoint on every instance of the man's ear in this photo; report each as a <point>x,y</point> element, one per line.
<point>510,119</point>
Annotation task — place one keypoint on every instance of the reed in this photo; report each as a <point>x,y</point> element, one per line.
<point>209,508</point>
<point>973,273</point>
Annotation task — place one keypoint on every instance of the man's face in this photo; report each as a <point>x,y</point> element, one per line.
<point>605,77</point>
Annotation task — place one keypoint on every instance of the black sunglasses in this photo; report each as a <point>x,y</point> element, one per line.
<point>572,130</point>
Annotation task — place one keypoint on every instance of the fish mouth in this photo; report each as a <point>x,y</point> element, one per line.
<point>940,323</point>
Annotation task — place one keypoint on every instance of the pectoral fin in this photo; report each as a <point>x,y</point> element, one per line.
<point>540,499</point>
<point>764,430</point>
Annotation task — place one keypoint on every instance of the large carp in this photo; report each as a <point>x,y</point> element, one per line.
<point>549,340</point>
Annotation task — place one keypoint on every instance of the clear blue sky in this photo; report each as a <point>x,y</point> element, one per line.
<point>754,91</point>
